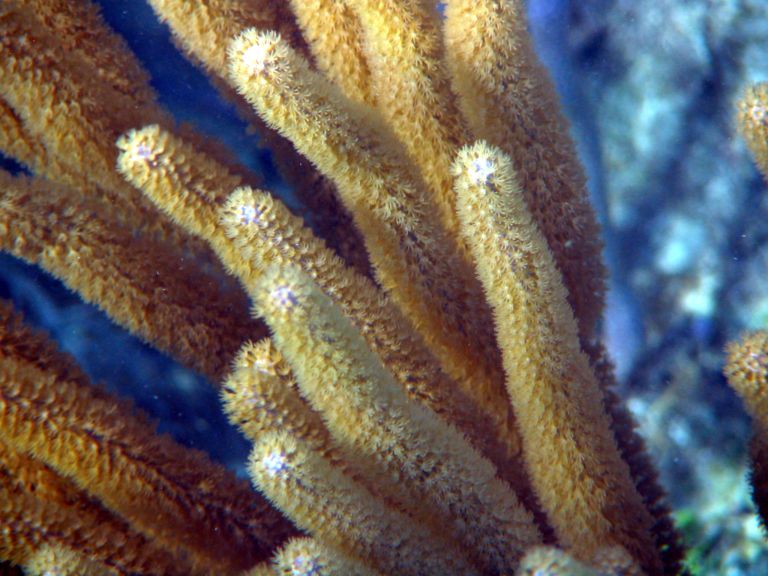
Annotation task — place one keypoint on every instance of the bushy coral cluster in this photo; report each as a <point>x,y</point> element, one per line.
<point>434,402</point>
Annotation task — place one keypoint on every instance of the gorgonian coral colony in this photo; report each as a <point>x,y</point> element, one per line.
<point>420,374</point>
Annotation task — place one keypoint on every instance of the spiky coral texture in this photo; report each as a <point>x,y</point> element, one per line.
<point>427,474</point>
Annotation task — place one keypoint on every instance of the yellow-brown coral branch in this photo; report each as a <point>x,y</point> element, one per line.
<point>402,447</point>
<point>261,394</point>
<point>336,41</point>
<point>403,47</point>
<point>746,369</point>
<point>321,499</point>
<point>204,30</point>
<point>39,509</point>
<point>258,231</point>
<point>509,101</point>
<point>570,451</point>
<point>556,562</point>
<point>633,451</point>
<point>140,283</point>
<point>71,113</point>
<point>753,123</point>
<point>110,452</point>
<point>416,262</point>
<point>45,508</point>
<point>83,33</point>
<point>63,561</point>
<point>265,233</point>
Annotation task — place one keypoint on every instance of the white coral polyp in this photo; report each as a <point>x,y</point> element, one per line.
<point>275,463</point>
<point>258,56</point>
<point>481,169</point>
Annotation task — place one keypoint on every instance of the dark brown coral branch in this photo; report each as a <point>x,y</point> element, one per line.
<point>174,496</point>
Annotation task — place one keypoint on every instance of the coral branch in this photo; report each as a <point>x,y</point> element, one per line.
<point>416,262</point>
<point>403,47</point>
<point>139,282</point>
<point>509,101</point>
<point>403,432</point>
<point>753,123</point>
<point>747,372</point>
<point>403,448</point>
<point>336,40</point>
<point>71,113</point>
<point>570,451</point>
<point>257,230</point>
<point>40,509</point>
<point>261,394</point>
<point>320,498</point>
<point>174,496</point>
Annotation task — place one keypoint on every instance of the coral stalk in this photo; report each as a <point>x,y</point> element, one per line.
<point>40,509</point>
<point>335,38</point>
<point>403,48</point>
<point>570,451</point>
<point>752,116</point>
<point>138,281</point>
<point>252,230</point>
<point>50,410</point>
<point>417,263</point>
<point>261,394</point>
<point>402,447</point>
<point>320,498</point>
<point>746,369</point>
<point>509,101</point>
